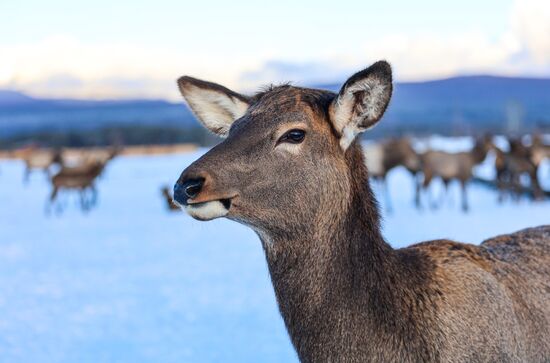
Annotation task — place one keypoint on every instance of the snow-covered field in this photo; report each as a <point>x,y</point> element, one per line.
<point>131,282</point>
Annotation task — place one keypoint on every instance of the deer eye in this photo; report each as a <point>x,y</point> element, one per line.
<point>294,136</point>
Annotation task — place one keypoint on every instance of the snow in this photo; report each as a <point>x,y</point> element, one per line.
<point>132,282</point>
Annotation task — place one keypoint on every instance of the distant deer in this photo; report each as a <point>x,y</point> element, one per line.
<point>382,157</point>
<point>518,148</point>
<point>80,178</point>
<point>291,168</point>
<point>453,166</point>
<point>510,166</point>
<point>168,198</point>
<point>91,155</point>
<point>539,150</point>
<point>102,155</point>
<point>40,159</point>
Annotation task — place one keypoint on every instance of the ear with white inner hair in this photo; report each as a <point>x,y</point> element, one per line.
<point>361,102</point>
<point>215,106</point>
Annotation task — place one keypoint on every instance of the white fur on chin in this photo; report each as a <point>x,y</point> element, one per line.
<point>207,210</point>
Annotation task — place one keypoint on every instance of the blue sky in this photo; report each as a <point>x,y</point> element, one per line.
<point>134,48</point>
<point>169,22</point>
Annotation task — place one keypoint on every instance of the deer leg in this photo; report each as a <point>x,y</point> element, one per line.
<point>94,195</point>
<point>537,190</point>
<point>91,197</point>
<point>507,192</point>
<point>515,186</point>
<point>416,186</point>
<point>444,191</point>
<point>59,205</point>
<point>26,175</point>
<point>500,185</point>
<point>432,198</point>
<point>464,196</point>
<point>54,202</point>
<point>450,196</point>
<point>51,200</point>
<point>82,196</point>
<point>508,185</point>
<point>428,175</point>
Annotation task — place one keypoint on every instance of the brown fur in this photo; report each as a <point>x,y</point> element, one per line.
<point>345,295</point>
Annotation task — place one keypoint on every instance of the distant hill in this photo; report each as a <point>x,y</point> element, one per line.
<point>457,105</point>
<point>10,98</point>
<point>21,114</point>
<point>466,104</point>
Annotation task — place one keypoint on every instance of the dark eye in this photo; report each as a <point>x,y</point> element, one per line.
<point>294,136</point>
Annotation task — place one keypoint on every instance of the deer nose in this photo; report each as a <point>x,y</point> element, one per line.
<point>188,189</point>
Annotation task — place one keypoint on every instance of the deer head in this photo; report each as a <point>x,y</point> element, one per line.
<point>402,153</point>
<point>482,146</point>
<point>285,162</point>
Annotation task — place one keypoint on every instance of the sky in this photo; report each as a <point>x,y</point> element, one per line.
<point>129,49</point>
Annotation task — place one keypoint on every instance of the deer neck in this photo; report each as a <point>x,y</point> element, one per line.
<point>478,154</point>
<point>332,283</point>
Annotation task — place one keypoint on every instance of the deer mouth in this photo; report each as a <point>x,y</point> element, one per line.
<point>208,210</point>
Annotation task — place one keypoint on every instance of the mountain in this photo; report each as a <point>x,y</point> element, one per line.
<point>10,98</point>
<point>466,104</point>
<point>21,114</point>
<point>449,106</point>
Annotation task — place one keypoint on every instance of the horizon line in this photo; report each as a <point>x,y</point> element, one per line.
<point>313,84</point>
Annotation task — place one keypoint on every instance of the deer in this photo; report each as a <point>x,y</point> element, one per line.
<point>382,157</point>
<point>82,157</point>
<point>165,191</point>
<point>290,166</point>
<point>539,150</point>
<point>41,159</point>
<point>80,178</point>
<point>453,166</point>
<point>510,166</point>
<point>102,155</point>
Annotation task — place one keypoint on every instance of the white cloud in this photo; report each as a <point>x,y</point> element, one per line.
<point>62,66</point>
<point>304,73</point>
<point>522,50</point>
<point>431,56</point>
<point>531,22</point>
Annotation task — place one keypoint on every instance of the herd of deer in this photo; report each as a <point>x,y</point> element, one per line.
<point>77,172</point>
<point>510,165</point>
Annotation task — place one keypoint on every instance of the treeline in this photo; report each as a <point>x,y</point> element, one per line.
<point>116,135</point>
<point>165,135</point>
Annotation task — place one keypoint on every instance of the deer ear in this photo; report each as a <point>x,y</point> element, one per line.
<point>215,106</point>
<point>361,102</point>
